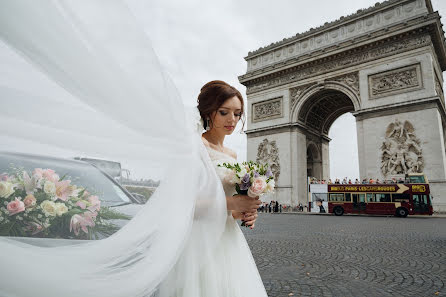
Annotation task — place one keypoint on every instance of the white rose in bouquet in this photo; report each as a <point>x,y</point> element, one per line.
<point>49,188</point>
<point>61,208</point>
<point>6,189</point>
<point>270,185</point>
<point>49,208</point>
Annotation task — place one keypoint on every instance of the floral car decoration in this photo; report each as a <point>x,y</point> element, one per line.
<point>42,204</point>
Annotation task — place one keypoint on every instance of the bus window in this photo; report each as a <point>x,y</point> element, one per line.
<point>348,197</point>
<point>420,199</point>
<point>362,198</point>
<point>337,197</point>
<point>400,197</point>
<point>370,197</point>
<point>381,197</point>
<point>417,179</point>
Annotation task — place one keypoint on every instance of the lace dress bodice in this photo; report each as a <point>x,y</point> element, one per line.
<point>218,157</point>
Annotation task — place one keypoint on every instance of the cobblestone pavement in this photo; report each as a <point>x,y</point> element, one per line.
<point>310,255</point>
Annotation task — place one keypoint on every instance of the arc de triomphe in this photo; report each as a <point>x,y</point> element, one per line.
<point>383,64</point>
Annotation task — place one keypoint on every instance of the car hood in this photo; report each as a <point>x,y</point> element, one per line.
<point>128,209</point>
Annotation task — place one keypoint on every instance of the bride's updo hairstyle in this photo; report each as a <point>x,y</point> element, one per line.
<point>213,95</point>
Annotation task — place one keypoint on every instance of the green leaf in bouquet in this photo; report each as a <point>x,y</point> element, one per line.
<point>107,213</point>
<point>41,196</point>
<point>237,188</point>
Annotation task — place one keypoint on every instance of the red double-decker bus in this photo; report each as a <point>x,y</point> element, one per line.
<point>400,199</point>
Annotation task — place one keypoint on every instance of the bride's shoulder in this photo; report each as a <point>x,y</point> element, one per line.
<point>231,153</point>
<point>227,151</point>
<point>205,141</point>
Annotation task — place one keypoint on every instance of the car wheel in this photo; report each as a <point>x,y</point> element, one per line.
<point>338,211</point>
<point>401,212</point>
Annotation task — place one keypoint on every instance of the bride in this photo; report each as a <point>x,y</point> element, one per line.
<point>231,271</point>
<point>112,95</point>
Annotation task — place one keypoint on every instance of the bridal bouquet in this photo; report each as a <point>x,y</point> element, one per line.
<point>42,204</point>
<point>250,178</point>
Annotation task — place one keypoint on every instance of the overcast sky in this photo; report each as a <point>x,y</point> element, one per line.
<point>199,41</point>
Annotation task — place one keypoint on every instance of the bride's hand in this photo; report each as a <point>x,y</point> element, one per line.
<point>250,218</point>
<point>243,203</point>
<point>237,215</point>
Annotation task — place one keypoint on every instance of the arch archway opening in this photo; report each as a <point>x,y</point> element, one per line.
<point>323,108</point>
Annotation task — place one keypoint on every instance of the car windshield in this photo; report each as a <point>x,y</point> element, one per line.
<point>80,173</point>
<point>111,168</point>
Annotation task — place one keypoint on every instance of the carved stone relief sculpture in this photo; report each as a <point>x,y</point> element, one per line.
<point>401,151</point>
<point>267,152</point>
<point>266,110</point>
<point>295,94</point>
<point>351,80</point>
<point>395,81</point>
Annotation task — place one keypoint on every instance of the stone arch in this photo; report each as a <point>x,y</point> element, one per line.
<point>314,151</point>
<point>314,160</point>
<point>377,71</point>
<point>341,98</point>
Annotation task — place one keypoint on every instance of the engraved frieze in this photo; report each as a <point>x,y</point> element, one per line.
<point>395,81</point>
<point>345,28</point>
<point>401,151</point>
<point>267,110</point>
<point>356,58</point>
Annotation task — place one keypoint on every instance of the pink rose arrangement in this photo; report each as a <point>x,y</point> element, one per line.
<point>42,204</point>
<point>250,178</point>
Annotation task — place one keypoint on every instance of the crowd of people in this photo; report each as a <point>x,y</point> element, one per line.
<point>276,207</point>
<point>347,181</point>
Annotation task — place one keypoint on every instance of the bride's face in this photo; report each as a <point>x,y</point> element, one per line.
<point>227,116</point>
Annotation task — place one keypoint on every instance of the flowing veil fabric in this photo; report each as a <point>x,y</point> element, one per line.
<point>121,102</point>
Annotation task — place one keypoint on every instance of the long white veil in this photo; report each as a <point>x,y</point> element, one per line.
<point>118,103</point>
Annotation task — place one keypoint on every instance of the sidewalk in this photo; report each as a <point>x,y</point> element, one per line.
<point>435,215</point>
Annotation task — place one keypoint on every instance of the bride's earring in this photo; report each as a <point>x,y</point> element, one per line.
<point>207,125</point>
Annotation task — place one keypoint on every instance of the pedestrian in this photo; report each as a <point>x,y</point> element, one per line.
<point>276,207</point>
<point>280,207</point>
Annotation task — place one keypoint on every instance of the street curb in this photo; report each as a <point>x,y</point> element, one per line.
<point>435,216</point>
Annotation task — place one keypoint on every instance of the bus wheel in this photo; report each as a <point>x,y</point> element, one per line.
<point>401,212</point>
<point>338,211</point>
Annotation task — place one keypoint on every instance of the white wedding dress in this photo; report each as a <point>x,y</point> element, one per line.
<point>109,95</point>
<point>231,272</point>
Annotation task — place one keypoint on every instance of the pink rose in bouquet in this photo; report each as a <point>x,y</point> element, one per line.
<point>257,187</point>
<point>15,206</point>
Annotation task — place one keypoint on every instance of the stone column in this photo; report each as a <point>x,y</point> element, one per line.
<point>325,160</point>
<point>299,193</point>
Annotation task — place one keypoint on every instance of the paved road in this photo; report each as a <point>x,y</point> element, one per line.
<point>310,255</point>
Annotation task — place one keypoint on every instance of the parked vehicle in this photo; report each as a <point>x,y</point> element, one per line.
<point>85,174</point>
<point>411,196</point>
